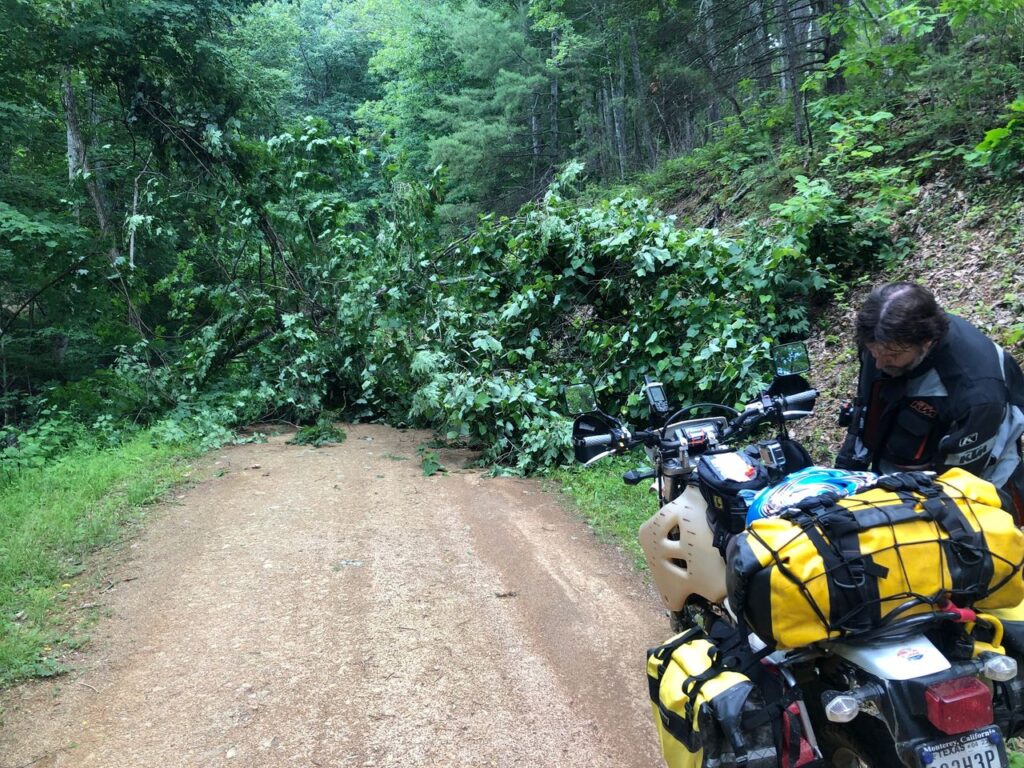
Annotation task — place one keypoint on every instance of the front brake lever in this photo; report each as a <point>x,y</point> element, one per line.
<point>794,415</point>
<point>600,456</point>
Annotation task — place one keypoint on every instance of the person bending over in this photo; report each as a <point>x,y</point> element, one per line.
<point>933,393</point>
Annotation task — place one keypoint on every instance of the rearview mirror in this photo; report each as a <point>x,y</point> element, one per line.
<point>791,359</point>
<point>579,398</point>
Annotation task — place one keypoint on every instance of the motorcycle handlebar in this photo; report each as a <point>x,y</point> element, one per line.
<point>745,421</point>
<point>625,439</point>
<point>755,413</point>
<point>792,402</point>
<point>597,440</point>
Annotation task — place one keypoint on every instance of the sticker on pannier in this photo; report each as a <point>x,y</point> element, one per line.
<point>708,715</point>
<point>830,567</point>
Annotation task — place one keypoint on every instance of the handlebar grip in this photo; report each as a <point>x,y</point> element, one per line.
<point>596,440</point>
<point>801,398</point>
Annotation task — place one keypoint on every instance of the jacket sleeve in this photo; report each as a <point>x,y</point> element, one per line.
<point>972,438</point>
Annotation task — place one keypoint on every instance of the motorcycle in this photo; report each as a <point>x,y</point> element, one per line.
<point>914,692</point>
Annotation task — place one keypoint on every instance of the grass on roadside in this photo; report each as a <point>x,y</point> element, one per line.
<point>51,518</point>
<point>613,509</point>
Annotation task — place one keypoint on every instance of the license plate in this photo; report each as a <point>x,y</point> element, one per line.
<point>977,749</point>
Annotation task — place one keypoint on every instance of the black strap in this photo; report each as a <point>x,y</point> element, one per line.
<point>721,539</point>
<point>795,734</point>
<point>693,685</point>
<point>664,654</point>
<point>854,602</point>
<point>968,557</point>
<point>728,651</point>
<point>679,727</point>
<point>874,515</point>
<point>771,709</point>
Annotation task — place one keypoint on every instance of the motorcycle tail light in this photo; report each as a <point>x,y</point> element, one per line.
<point>959,705</point>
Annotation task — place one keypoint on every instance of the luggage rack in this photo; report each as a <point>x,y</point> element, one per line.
<point>895,627</point>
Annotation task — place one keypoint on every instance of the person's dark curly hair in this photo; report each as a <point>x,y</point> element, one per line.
<point>900,313</point>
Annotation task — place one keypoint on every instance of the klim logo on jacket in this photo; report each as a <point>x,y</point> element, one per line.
<point>969,440</point>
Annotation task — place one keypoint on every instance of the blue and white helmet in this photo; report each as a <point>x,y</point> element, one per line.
<point>803,484</point>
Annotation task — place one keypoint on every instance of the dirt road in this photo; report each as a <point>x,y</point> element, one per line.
<point>333,607</point>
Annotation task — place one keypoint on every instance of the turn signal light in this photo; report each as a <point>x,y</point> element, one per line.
<point>999,668</point>
<point>959,705</point>
<point>842,709</point>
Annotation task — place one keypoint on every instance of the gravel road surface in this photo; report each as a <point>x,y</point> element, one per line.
<point>334,607</point>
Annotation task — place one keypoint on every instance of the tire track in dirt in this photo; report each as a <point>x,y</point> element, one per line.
<point>334,607</point>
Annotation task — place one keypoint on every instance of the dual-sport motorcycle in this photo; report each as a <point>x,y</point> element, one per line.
<point>933,686</point>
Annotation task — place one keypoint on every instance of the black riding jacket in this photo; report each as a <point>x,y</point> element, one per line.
<point>962,406</point>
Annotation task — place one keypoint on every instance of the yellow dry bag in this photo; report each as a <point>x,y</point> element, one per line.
<point>829,567</point>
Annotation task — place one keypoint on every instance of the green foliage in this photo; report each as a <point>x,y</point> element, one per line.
<point>429,462</point>
<point>478,346</point>
<point>50,518</point>
<point>830,230</point>
<point>309,57</point>
<point>218,257</point>
<point>53,433</point>
<point>1002,149</point>
<point>324,432</point>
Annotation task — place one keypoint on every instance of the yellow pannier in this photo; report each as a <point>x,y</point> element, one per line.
<point>707,715</point>
<point>830,567</point>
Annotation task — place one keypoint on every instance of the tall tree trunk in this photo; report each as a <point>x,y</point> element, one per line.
<point>609,128</point>
<point>4,380</point>
<point>76,150</point>
<point>556,149</point>
<point>791,70</point>
<point>535,139</point>
<point>78,160</point>
<point>590,135</point>
<point>619,115</point>
<point>711,62</point>
<point>642,117</point>
<point>831,31</point>
<point>688,142</point>
<point>622,113</point>
<point>670,135</point>
<point>714,113</point>
<point>535,117</point>
<point>762,55</point>
<point>78,163</point>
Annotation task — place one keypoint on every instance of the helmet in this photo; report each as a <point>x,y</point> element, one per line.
<point>803,484</point>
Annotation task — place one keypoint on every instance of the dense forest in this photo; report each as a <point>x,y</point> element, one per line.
<point>436,212</point>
